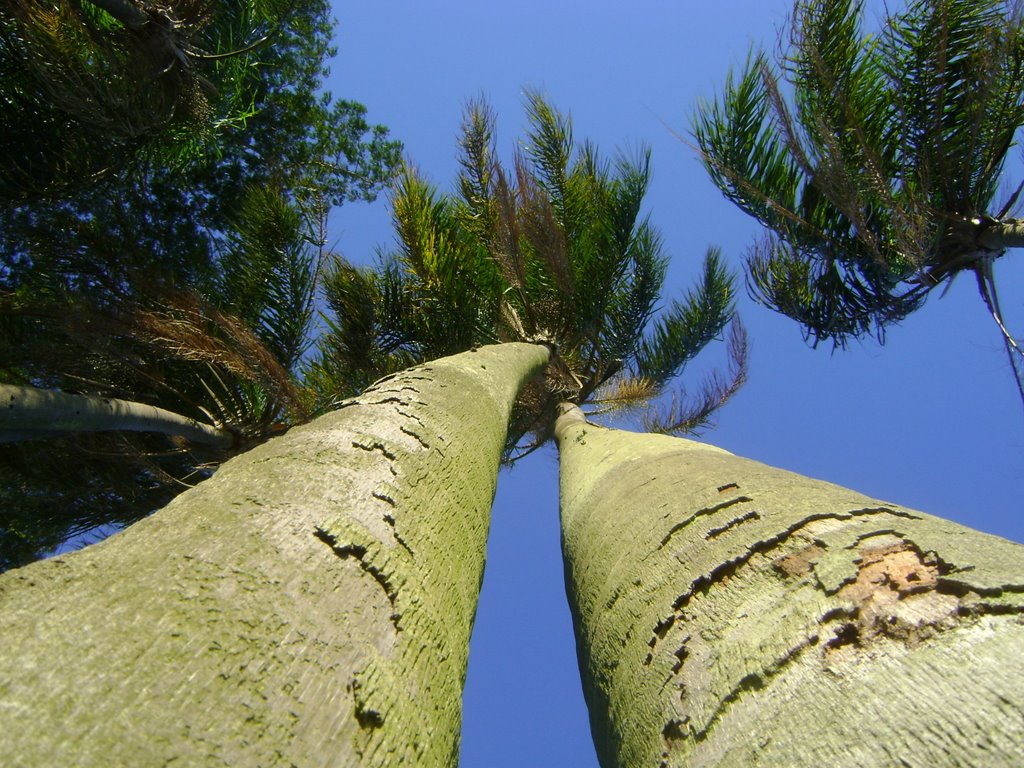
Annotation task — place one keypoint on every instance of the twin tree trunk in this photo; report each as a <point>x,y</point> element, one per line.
<point>732,614</point>
<point>310,604</point>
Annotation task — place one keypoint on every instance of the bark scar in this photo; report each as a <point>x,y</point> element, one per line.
<point>722,572</point>
<point>714,533</point>
<point>895,594</point>
<point>375,446</point>
<point>700,513</point>
<point>345,551</point>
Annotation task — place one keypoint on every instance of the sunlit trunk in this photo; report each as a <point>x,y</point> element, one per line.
<point>729,613</point>
<point>1008,233</point>
<point>310,604</point>
<point>28,412</point>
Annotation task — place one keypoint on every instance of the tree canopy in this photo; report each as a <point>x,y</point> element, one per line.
<point>873,159</point>
<point>89,86</point>
<point>552,248</point>
<point>186,283</point>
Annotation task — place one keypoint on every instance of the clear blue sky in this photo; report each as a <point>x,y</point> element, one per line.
<point>931,420</point>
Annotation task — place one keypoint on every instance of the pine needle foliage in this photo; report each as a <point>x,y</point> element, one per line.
<point>90,86</point>
<point>873,159</point>
<point>187,281</point>
<point>551,248</point>
<point>268,273</point>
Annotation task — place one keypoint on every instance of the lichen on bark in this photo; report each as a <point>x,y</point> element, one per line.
<point>729,613</point>
<point>310,604</point>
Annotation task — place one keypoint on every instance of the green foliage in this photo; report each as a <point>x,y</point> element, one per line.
<point>553,249</point>
<point>90,86</point>
<point>872,159</point>
<point>368,329</point>
<point>188,285</point>
<point>54,490</point>
<point>689,325</point>
<point>268,273</point>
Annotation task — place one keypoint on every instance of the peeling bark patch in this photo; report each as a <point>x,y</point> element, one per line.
<point>894,595</point>
<point>388,400</point>
<point>895,569</point>
<point>663,626</point>
<point>845,634</point>
<point>674,730</point>
<point>375,446</point>
<point>795,564</point>
<point>723,572</point>
<point>681,653</point>
<point>881,510</point>
<point>409,415</point>
<point>415,437</point>
<point>393,524</point>
<point>368,718</point>
<point>358,552</point>
<point>659,632</point>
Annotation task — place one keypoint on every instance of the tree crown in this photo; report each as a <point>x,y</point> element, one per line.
<point>871,158</point>
<point>551,248</point>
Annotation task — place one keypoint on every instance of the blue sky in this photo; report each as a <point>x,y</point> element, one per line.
<point>931,420</point>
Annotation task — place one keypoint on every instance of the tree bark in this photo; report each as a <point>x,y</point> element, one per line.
<point>728,613</point>
<point>309,605</point>
<point>1004,234</point>
<point>29,412</point>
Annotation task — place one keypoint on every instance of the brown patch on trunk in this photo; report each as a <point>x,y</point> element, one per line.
<point>890,573</point>
<point>799,563</point>
<point>894,595</point>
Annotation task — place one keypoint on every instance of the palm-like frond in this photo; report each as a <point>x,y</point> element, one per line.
<point>186,281</point>
<point>370,331</point>
<point>875,179</point>
<point>90,87</point>
<point>268,273</point>
<point>480,167</point>
<point>550,146</point>
<point>689,325</point>
<point>552,250</point>
<point>688,414</point>
<point>962,104</point>
<point>454,283</point>
<point>52,490</point>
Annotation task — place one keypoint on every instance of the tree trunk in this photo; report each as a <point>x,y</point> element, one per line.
<point>1004,234</point>
<point>309,605</point>
<point>29,412</point>
<point>728,613</point>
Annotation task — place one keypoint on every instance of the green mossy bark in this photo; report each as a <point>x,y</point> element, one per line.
<point>311,604</point>
<point>728,613</point>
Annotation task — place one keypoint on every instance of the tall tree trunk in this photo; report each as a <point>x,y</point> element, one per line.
<point>30,412</point>
<point>728,613</point>
<point>310,604</point>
